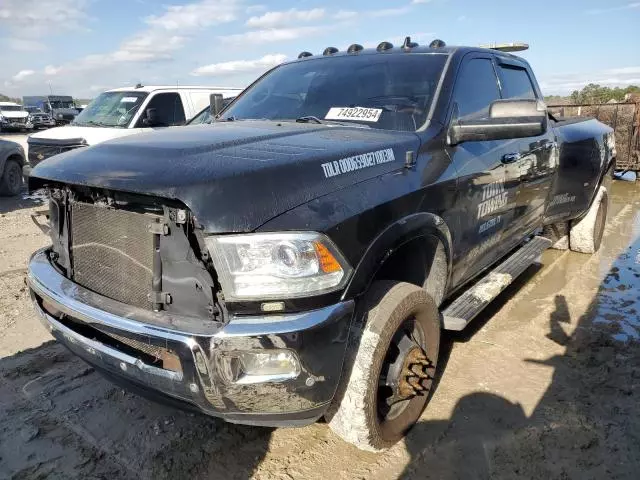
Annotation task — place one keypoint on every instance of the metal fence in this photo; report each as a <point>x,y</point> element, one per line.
<point>623,117</point>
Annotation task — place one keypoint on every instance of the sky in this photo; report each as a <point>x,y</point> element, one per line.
<point>83,47</point>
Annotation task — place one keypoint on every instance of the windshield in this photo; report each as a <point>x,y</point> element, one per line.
<point>11,108</point>
<point>61,104</point>
<point>111,109</point>
<point>394,92</point>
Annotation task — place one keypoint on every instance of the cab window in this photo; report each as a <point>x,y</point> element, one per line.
<point>516,83</point>
<point>476,88</point>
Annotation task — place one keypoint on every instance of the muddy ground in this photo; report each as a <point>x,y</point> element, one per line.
<point>545,385</point>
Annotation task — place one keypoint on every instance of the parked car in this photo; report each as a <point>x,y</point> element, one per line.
<point>300,257</point>
<point>12,159</point>
<point>13,116</point>
<point>123,112</point>
<point>40,119</point>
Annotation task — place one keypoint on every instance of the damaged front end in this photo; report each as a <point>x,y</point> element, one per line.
<point>130,286</point>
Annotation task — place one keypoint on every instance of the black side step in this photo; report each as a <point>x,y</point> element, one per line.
<point>475,299</point>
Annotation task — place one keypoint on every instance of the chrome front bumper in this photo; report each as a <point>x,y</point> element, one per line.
<point>86,322</point>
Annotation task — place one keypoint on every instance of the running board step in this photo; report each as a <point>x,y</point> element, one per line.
<point>475,299</point>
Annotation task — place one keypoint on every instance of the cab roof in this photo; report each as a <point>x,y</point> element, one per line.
<point>153,88</point>
<point>9,104</point>
<point>401,50</point>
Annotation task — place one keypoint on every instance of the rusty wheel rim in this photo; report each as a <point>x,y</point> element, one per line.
<point>404,375</point>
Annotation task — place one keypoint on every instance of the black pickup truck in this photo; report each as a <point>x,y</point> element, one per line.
<point>300,256</point>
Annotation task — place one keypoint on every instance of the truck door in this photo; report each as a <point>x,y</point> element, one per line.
<point>489,183</point>
<point>535,157</point>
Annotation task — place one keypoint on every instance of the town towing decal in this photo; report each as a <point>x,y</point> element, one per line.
<point>357,162</point>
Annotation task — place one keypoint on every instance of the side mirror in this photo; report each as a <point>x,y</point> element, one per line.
<point>151,119</point>
<point>507,119</point>
<point>216,104</point>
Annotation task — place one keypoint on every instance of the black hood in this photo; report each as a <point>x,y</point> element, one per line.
<point>235,176</point>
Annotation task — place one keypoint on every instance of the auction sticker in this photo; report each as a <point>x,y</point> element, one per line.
<point>354,113</point>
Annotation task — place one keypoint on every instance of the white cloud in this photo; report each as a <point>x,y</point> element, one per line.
<point>598,11</point>
<point>33,18</point>
<point>166,34</point>
<point>273,34</point>
<point>345,15</point>
<point>51,70</point>
<point>195,15</point>
<point>251,9</point>
<point>390,12</point>
<point>24,44</point>
<point>22,74</point>
<point>567,82</point>
<point>239,66</point>
<point>285,18</point>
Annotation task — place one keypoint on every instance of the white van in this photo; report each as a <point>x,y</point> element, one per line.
<point>121,112</point>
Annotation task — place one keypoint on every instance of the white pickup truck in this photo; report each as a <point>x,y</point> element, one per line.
<point>122,112</point>
<point>13,116</point>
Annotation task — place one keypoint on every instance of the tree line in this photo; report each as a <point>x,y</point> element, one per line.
<point>594,93</point>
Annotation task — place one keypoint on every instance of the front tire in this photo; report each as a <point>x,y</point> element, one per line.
<point>390,366</point>
<point>586,234</point>
<point>11,179</point>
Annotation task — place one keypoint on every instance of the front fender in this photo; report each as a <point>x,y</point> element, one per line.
<point>6,153</point>
<point>391,239</point>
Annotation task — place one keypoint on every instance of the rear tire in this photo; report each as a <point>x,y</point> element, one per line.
<point>11,180</point>
<point>586,234</point>
<point>397,331</point>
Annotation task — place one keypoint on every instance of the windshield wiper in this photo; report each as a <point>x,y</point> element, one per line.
<point>93,123</point>
<point>309,119</point>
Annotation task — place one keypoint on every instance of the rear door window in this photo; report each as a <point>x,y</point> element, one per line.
<point>476,88</point>
<point>516,83</point>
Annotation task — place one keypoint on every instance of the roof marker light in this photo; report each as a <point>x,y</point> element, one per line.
<point>437,43</point>
<point>408,43</point>
<point>384,46</point>
<point>330,51</point>
<point>355,48</point>
<point>305,54</point>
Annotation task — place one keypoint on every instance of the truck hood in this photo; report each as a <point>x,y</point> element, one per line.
<point>234,176</point>
<point>92,135</point>
<point>8,114</point>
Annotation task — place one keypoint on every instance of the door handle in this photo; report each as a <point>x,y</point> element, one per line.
<point>511,157</point>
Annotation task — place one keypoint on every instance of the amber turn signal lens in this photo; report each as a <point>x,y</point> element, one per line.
<point>328,263</point>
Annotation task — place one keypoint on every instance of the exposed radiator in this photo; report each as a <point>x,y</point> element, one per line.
<point>112,252</point>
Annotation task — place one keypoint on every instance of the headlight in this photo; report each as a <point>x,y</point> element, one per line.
<point>277,265</point>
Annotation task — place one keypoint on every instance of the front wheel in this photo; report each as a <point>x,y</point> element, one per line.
<point>11,178</point>
<point>390,366</point>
